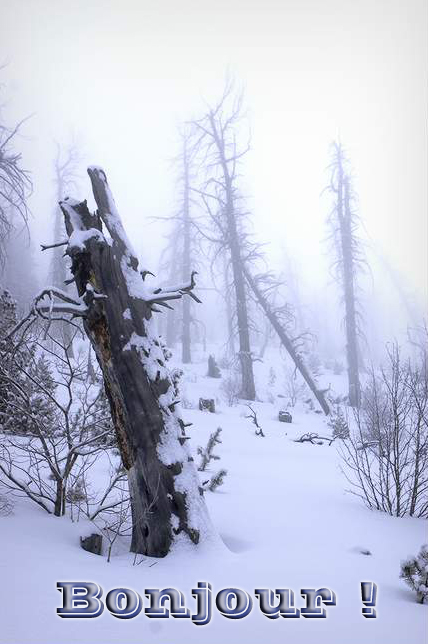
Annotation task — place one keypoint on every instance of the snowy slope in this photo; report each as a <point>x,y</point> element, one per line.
<point>285,521</point>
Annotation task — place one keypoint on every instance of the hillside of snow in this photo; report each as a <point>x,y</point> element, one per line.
<point>285,519</point>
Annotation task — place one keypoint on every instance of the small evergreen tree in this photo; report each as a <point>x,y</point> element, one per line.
<point>414,571</point>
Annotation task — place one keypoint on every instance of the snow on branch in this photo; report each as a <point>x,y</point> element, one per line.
<point>165,293</point>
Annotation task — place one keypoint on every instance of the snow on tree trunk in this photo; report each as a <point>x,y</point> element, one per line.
<point>164,487</point>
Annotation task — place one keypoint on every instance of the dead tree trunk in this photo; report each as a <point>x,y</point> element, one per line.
<point>248,390</point>
<point>218,148</point>
<point>287,342</point>
<point>350,312</point>
<point>348,251</point>
<point>117,306</point>
<point>229,314</point>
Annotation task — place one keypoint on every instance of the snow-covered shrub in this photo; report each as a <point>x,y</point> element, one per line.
<point>215,481</point>
<point>57,421</point>
<point>338,424</point>
<point>414,571</point>
<point>253,416</point>
<point>225,362</point>
<point>272,377</point>
<point>295,388</point>
<point>186,403</point>
<point>386,457</point>
<point>230,389</point>
<point>207,453</point>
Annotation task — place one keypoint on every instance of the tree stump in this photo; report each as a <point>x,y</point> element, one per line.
<point>285,417</point>
<point>93,543</point>
<point>207,404</point>
<point>213,370</point>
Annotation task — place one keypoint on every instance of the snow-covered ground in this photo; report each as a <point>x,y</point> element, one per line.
<point>285,520</point>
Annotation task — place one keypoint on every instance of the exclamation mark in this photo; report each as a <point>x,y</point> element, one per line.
<point>368,597</point>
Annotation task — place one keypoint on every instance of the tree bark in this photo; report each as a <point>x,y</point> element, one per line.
<point>163,482</point>
<point>248,389</point>
<point>344,217</point>
<point>287,343</point>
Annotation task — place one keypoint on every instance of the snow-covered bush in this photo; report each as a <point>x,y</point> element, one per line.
<point>230,389</point>
<point>414,571</point>
<point>207,453</point>
<point>295,388</point>
<point>338,424</point>
<point>215,481</point>
<point>56,421</point>
<point>386,457</point>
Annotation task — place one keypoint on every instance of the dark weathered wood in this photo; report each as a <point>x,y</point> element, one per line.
<point>248,390</point>
<point>213,370</point>
<point>93,543</point>
<point>348,260</point>
<point>163,482</point>
<point>287,342</point>
<point>207,404</point>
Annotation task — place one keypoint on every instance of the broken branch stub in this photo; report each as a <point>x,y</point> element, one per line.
<point>163,482</point>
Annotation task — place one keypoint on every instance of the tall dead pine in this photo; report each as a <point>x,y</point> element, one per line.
<point>218,143</point>
<point>343,222</point>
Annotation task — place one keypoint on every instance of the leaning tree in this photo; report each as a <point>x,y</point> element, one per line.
<point>116,305</point>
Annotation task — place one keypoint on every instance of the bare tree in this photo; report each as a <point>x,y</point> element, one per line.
<point>15,184</point>
<point>58,426</point>
<point>66,163</point>
<point>116,305</point>
<point>181,249</point>
<point>386,457</point>
<point>221,154</point>
<point>343,222</point>
<point>253,416</point>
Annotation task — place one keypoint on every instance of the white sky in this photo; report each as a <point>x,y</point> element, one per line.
<point>124,73</point>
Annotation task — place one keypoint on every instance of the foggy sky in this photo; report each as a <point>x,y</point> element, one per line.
<point>123,74</point>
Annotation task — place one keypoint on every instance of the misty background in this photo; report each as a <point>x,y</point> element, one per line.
<point>118,78</point>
